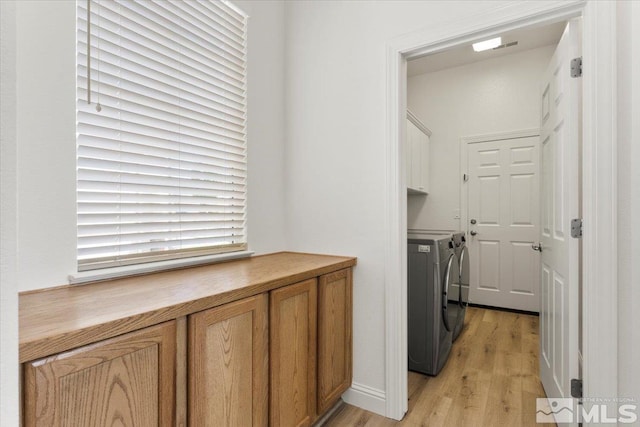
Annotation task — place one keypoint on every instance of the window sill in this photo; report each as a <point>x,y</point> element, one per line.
<point>152,267</point>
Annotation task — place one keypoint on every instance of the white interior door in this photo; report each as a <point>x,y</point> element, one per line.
<point>504,221</point>
<point>560,133</point>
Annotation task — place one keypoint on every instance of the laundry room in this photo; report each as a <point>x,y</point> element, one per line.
<point>474,175</point>
<point>464,97</point>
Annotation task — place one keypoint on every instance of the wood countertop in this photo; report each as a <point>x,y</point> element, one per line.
<point>63,318</point>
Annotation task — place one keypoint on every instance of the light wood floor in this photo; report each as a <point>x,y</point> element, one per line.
<point>490,379</point>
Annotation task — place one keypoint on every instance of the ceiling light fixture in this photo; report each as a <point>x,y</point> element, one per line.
<point>487,44</point>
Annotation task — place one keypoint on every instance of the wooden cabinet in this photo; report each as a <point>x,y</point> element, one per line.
<point>334,337</point>
<point>228,365</point>
<point>309,373</point>
<point>293,311</point>
<point>269,354</point>
<point>417,152</point>
<point>126,381</point>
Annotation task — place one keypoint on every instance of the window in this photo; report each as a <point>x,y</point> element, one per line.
<point>161,130</point>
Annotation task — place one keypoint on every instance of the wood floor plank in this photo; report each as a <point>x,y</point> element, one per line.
<point>530,355</point>
<point>416,382</point>
<point>504,401</point>
<point>509,334</point>
<point>492,316</point>
<point>508,363</point>
<point>490,379</point>
<point>484,346</point>
<point>434,416</point>
<point>468,407</point>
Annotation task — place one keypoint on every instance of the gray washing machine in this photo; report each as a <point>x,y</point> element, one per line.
<point>432,269</point>
<point>459,293</point>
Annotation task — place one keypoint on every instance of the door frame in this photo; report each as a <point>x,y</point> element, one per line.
<point>599,186</point>
<point>465,141</point>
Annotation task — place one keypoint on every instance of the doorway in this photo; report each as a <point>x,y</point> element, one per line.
<point>598,165</point>
<point>487,185</point>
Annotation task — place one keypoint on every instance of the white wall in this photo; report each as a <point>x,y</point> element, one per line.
<point>335,147</point>
<point>628,199</point>
<point>46,221</point>
<point>46,216</point>
<point>9,401</point>
<point>491,96</point>
<point>265,181</point>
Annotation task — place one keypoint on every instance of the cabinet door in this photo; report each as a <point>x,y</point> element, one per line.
<point>425,146</point>
<point>228,365</point>
<point>417,141</point>
<point>334,337</point>
<point>126,381</point>
<point>293,354</point>
<point>409,152</point>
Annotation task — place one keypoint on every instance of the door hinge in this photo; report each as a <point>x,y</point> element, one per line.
<point>576,67</point>
<point>576,388</point>
<point>576,228</point>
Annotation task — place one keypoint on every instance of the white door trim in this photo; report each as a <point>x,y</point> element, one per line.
<point>600,346</point>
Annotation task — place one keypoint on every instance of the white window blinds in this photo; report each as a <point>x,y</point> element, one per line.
<point>161,122</point>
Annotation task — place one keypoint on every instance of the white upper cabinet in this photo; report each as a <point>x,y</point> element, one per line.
<point>417,150</point>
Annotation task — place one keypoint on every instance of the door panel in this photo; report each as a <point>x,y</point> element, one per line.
<point>560,121</point>
<point>523,188</point>
<point>126,381</point>
<point>524,266</point>
<point>504,187</point>
<point>292,333</point>
<point>489,265</point>
<point>334,337</point>
<point>229,370</point>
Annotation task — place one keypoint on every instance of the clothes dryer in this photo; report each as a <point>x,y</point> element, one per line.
<point>432,270</point>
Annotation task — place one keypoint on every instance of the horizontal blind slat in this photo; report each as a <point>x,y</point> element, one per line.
<point>105,126</point>
<point>159,246</point>
<point>138,45</point>
<point>178,17</point>
<point>131,259</point>
<point>193,81</point>
<point>158,156</point>
<point>157,18</point>
<point>147,113</point>
<point>141,144</point>
<point>200,100</point>
<point>102,130</point>
<point>94,174</point>
<point>162,165</point>
<point>215,107</point>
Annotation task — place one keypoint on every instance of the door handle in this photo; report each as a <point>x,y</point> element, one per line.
<point>537,247</point>
<point>473,232</point>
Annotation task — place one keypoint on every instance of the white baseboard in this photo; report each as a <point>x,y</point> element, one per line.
<point>365,397</point>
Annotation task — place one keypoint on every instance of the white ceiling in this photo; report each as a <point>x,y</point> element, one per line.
<point>529,38</point>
